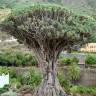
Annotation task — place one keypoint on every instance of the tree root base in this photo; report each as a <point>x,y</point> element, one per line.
<point>49,90</point>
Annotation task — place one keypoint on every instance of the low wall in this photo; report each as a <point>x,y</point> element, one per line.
<point>87,78</point>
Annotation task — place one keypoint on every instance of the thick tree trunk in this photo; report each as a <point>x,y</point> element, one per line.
<point>50,85</point>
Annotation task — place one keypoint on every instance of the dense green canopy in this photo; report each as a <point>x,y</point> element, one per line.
<point>50,23</point>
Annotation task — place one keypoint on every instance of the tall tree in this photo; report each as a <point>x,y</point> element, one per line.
<point>48,31</point>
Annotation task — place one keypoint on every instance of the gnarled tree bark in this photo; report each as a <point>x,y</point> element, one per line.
<point>50,85</point>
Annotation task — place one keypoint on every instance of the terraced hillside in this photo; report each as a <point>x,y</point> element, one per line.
<point>79,5</point>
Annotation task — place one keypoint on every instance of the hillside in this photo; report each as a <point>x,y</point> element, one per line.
<point>4,13</point>
<point>92,3</point>
<point>85,6</point>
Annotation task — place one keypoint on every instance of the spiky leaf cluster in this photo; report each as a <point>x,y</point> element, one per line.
<point>49,27</point>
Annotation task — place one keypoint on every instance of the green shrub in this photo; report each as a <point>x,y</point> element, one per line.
<point>64,61</point>
<point>91,59</point>
<point>4,89</point>
<point>67,61</point>
<point>65,83</point>
<point>12,73</point>
<point>34,61</point>
<point>32,78</point>
<point>17,58</point>
<point>75,60</point>
<point>4,70</point>
<point>73,72</point>
<point>83,90</point>
<point>14,82</point>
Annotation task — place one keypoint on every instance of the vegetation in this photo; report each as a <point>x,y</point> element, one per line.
<point>67,61</point>
<point>83,90</point>
<point>70,77</point>
<point>65,83</point>
<point>32,78</point>
<point>49,29</point>
<point>2,90</point>
<point>76,5</point>
<point>73,73</point>
<point>17,58</point>
<point>72,68</point>
<point>4,70</point>
<point>70,88</point>
<point>91,59</point>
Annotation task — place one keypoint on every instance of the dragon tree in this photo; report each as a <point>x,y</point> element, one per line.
<point>48,30</point>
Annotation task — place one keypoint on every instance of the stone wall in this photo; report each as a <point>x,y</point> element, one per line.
<point>88,77</point>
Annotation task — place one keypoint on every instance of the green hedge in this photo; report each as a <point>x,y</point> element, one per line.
<point>83,90</point>
<point>17,58</point>
<point>91,59</point>
<point>67,61</point>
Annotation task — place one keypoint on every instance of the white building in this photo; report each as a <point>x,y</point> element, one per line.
<point>4,80</point>
<point>90,47</point>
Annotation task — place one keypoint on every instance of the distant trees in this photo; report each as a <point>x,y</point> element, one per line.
<point>49,30</point>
